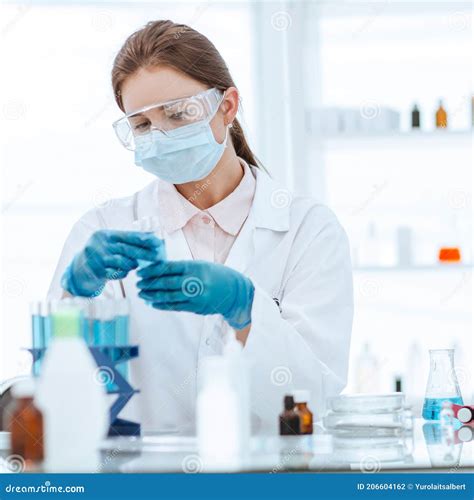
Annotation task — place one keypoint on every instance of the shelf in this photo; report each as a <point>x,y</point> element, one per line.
<point>397,138</point>
<point>331,9</point>
<point>400,269</point>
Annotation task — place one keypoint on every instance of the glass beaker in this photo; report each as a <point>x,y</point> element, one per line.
<point>442,383</point>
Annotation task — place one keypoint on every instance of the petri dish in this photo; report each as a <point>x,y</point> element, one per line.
<point>366,424</point>
<point>367,403</point>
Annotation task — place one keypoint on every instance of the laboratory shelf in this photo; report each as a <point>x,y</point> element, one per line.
<point>433,267</point>
<point>412,138</point>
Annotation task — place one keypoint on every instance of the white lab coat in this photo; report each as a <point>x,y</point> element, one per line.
<point>297,256</point>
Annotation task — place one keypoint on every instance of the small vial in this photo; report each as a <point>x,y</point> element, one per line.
<point>289,419</point>
<point>415,117</point>
<point>25,422</point>
<point>446,417</point>
<point>441,116</point>
<point>306,417</point>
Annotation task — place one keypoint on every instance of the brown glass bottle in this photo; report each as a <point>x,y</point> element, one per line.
<point>306,417</point>
<point>441,116</point>
<point>289,419</point>
<point>25,422</point>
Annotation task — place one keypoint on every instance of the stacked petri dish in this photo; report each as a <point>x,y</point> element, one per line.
<point>360,415</point>
<point>369,430</point>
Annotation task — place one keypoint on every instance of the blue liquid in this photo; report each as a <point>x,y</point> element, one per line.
<point>104,332</point>
<point>121,339</point>
<point>121,330</point>
<point>38,341</point>
<point>432,406</point>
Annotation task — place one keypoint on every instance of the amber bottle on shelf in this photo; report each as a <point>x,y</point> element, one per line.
<point>415,117</point>
<point>289,419</point>
<point>306,417</point>
<point>441,116</point>
<point>25,422</point>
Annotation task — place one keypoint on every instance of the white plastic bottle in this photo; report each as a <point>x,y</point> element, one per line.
<point>72,399</point>
<point>217,412</point>
<point>223,409</point>
<point>240,380</point>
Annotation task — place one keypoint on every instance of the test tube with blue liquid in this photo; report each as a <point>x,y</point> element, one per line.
<point>37,330</point>
<point>121,335</point>
<point>104,323</point>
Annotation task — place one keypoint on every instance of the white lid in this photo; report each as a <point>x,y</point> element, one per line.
<point>465,434</point>
<point>4,440</point>
<point>301,396</point>
<point>465,415</point>
<point>24,388</point>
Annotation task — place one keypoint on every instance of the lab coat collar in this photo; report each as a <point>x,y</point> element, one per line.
<point>270,207</point>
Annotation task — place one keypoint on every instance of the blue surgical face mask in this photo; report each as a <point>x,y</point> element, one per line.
<point>187,154</point>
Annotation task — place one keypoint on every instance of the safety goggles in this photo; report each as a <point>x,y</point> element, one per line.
<point>171,118</point>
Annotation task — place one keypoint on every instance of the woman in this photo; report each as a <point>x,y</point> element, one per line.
<point>278,273</point>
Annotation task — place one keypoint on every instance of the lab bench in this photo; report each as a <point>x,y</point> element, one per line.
<point>419,451</point>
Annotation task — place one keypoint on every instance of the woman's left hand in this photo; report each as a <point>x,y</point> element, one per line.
<point>198,286</point>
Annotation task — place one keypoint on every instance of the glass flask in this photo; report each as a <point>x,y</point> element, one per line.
<point>442,383</point>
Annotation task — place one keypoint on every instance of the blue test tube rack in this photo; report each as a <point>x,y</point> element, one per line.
<point>107,358</point>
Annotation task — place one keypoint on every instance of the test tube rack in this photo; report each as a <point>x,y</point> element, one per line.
<point>107,359</point>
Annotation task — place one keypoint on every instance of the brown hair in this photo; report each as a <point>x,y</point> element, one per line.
<point>186,50</point>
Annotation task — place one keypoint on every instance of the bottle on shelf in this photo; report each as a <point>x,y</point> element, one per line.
<point>415,117</point>
<point>398,384</point>
<point>306,417</point>
<point>25,423</point>
<point>441,116</point>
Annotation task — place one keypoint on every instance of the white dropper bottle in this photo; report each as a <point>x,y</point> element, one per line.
<point>72,398</point>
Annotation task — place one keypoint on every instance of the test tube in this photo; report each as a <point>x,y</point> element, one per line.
<point>37,334</point>
<point>46,308</point>
<point>121,322</point>
<point>85,305</point>
<point>122,342</point>
<point>104,323</point>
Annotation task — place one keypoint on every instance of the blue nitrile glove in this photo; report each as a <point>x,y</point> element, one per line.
<point>108,255</point>
<point>200,287</point>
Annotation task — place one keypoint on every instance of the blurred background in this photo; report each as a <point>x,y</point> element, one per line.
<point>329,90</point>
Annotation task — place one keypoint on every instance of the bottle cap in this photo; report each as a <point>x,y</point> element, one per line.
<point>465,434</point>
<point>289,402</point>
<point>465,415</point>
<point>301,396</point>
<point>24,388</point>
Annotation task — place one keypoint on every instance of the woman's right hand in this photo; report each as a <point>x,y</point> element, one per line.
<point>108,255</point>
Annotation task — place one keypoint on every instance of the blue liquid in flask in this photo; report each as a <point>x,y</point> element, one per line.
<point>432,406</point>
